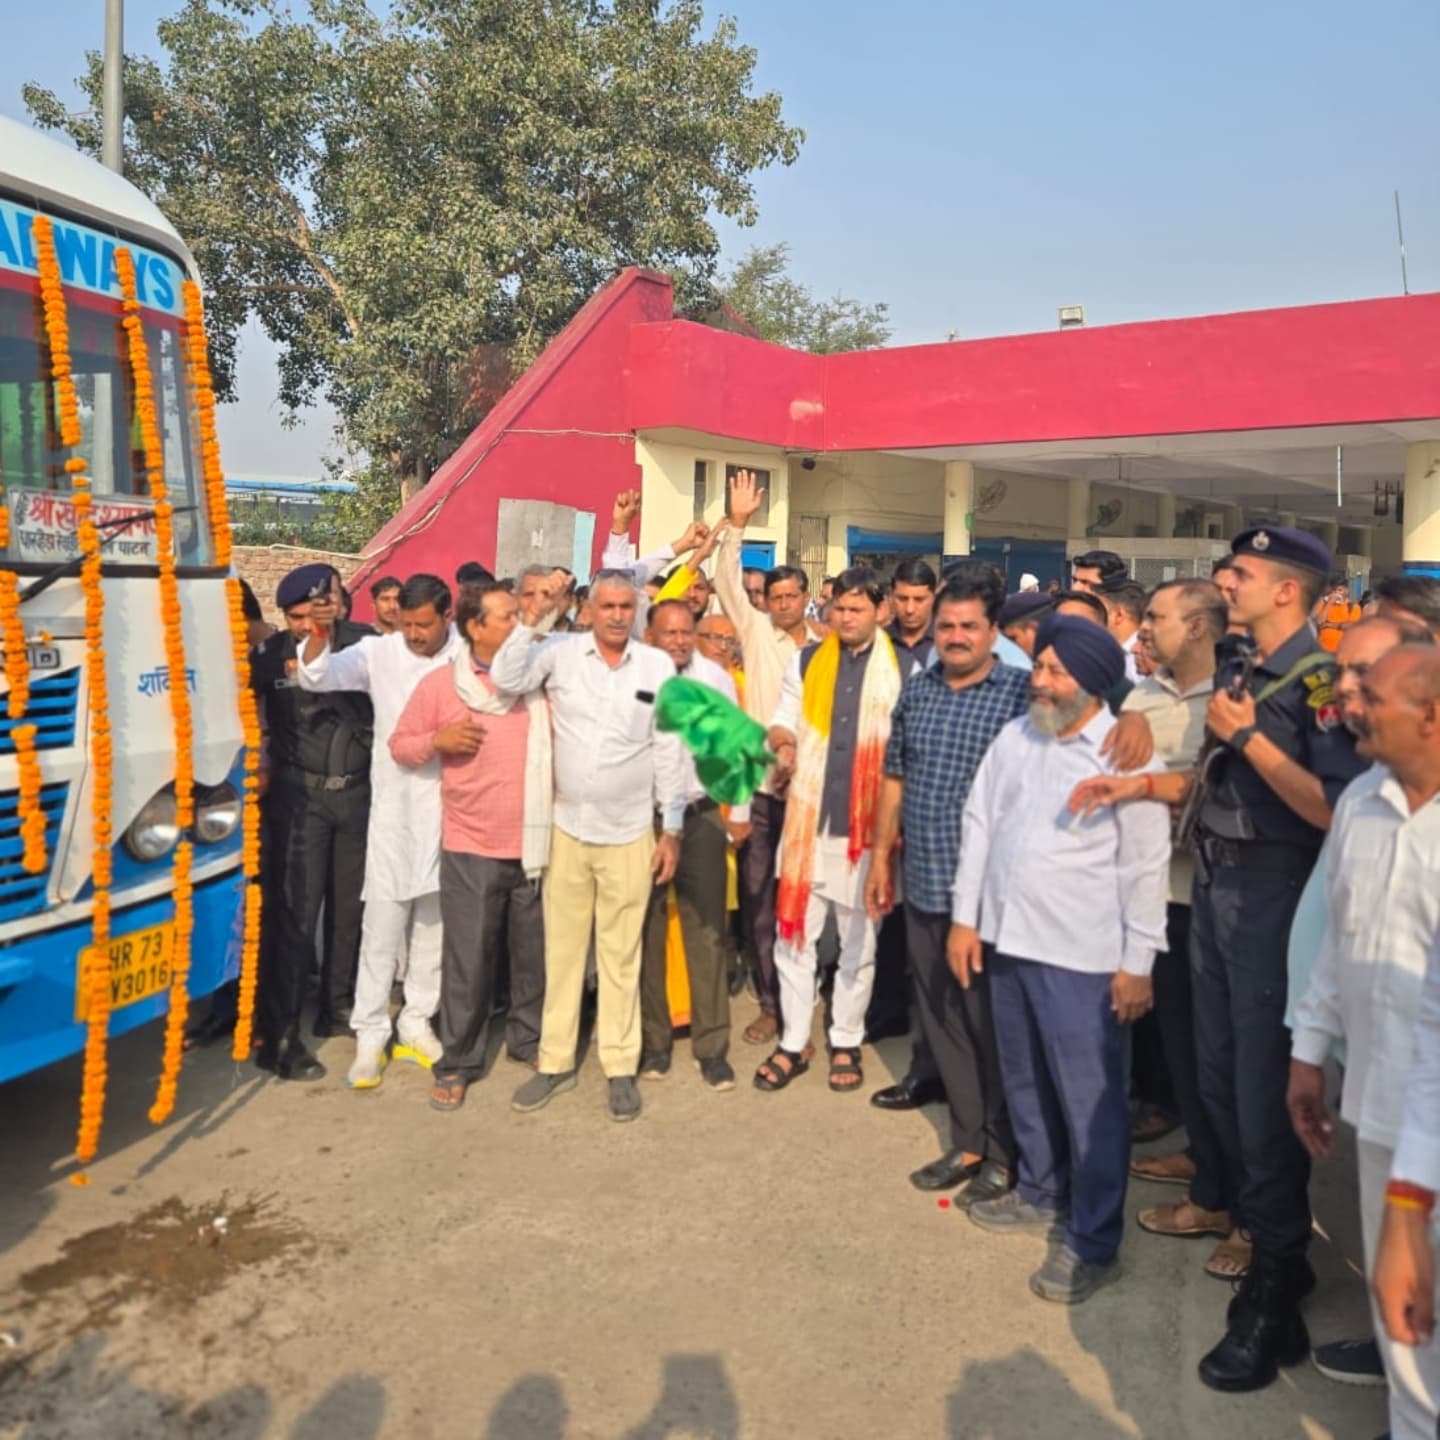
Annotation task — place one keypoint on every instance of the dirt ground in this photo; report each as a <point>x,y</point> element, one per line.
<point>730,1266</point>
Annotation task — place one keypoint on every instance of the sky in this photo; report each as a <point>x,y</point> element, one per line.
<point>977,165</point>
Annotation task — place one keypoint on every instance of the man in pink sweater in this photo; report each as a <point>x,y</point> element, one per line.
<point>495,791</point>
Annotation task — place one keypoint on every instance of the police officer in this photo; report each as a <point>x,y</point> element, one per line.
<point>317,806</point>
<point>1271,790</point>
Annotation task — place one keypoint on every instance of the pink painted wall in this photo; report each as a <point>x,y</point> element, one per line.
<point>575,392</point>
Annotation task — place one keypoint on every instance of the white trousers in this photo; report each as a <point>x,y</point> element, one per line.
<point>388,928</point>
<point>839,888</point>
<point>1414,1375</point>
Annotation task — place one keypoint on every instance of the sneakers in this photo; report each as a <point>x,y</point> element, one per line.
<point>716,1072</point>
<point>1068,1280</point>
<point>1350,1362</point>
<point>370,1061</point>
<point>539,1090</point>
<point>654,1064</point>
<point>624,1098</point>
<point>1013,1216</point>
<point>420,1045</point>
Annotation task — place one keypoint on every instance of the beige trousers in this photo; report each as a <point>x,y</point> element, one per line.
<point>606,887</point>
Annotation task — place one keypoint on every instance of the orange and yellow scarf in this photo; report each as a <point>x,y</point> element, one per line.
<point>878,694</point>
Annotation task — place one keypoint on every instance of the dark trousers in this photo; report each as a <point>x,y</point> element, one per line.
<point>491,915</point>
<point>315,843</point>
<point>757,894</point>
<point>700,897</point>
<point>1174,1016</point>
<point>1063,1061</point>
<point>1239,937</point>
<point>960,1030</point>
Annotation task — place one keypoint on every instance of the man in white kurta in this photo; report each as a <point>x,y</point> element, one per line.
<point>402,862</point>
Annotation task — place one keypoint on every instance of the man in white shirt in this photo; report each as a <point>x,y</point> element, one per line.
<point>1381,859</point>
<point>613,769</point>
<point>699,892</point>
<point>402,856</point>
<point>1070,912</point>
<point>1124,603</point>
<point>769,640</point>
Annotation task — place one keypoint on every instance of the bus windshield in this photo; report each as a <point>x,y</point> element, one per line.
<point>32,460</point>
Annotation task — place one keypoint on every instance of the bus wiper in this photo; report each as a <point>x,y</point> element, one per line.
<point>73,564</point>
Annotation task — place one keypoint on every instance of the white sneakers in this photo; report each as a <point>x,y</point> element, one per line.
<point>370,1061</point>
<point>419,1045</point>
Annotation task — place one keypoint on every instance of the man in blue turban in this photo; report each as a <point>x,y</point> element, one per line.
<point>1068,945</point>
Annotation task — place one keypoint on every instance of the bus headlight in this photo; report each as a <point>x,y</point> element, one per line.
<point>217,814</point>
<point>153,833</point>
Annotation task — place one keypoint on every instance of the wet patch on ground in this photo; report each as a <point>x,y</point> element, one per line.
<point>172,1254</point>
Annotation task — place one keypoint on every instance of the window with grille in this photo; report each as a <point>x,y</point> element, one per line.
<point>702,487</point>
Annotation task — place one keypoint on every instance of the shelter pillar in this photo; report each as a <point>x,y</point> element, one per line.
<point>1077,507</point>
<point>1234,521</point>
<point>1164,516</point>
<point>1329,532</point>
<point>959,505</point>
<point>1421,552</point>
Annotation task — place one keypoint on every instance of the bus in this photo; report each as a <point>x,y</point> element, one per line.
<point>45,916</point>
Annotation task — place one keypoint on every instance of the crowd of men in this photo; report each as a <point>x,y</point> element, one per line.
<point>1134,859</point>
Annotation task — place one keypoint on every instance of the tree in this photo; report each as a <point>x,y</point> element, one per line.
<point>759,289</point>
<point>396,197</point>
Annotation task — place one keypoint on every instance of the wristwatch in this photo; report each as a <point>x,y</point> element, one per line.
<point>1241,738</point>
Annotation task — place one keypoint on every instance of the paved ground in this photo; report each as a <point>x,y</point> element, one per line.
<point>731,1266</point>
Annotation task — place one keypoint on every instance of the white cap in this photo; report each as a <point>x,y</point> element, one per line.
<point>1029,582</point>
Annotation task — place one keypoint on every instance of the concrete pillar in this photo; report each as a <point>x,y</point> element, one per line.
<point>1421,550</point>
<point>1234,521</point>
<point>1077,508</point>
<point>959,505</point>
<point>1357,540</point>
<point>1165,516</point>
<point>1286,518</point>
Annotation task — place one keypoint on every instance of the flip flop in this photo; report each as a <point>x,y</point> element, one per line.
<point>453,1088</point>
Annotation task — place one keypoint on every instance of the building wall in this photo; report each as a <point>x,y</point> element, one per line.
<point>263,567</point>
<point>667,478</point>
<point>559,437</point>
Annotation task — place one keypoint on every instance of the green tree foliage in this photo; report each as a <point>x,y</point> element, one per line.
<point>761,291</point>
<point>399,197</point>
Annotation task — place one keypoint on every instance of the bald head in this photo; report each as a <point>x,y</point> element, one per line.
<point>1402,712</point>
<point>1361,647</point>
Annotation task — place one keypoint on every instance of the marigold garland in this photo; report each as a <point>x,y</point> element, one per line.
<point>197,364</point>
<point>94,978</point>
<point>22,737</point>
<point>170,615</point>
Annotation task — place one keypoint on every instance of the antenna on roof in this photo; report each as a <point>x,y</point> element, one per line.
<point>1400,232</point>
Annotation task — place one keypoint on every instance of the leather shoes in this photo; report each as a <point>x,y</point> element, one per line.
<point>1265,1331</point>
<point>908,1095</point>
<point>990,1183</point>
<point>946,1173</point>
<point>292,1061</point>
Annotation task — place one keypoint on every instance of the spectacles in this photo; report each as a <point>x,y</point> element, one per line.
<point>726,640</point>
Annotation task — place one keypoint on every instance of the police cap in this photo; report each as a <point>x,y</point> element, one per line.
<point>1026,605</point>
<point>304,583</point>
<point>1291,547</point>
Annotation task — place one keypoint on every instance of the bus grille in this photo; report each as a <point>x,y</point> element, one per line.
<point>51,711</point>
<point>22,893</point>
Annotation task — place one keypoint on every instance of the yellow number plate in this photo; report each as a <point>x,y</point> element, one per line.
<point>139,968</point>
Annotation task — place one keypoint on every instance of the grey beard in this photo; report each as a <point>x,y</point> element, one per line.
<point>1051,719</point>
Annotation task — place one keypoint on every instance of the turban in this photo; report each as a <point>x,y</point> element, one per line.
<point>728,746</point>
<point>1088,651</point>
<point>303,584</point>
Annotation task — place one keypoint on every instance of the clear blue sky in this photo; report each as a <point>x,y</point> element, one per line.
<point>976,165</point>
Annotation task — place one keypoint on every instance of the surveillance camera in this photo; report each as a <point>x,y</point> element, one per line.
<point>808,463</point>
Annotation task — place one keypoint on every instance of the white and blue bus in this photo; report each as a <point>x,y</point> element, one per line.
<point>45,918</point>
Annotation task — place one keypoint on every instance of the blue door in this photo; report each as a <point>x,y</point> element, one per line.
<point>1044,559</point>
<point>758,554</point>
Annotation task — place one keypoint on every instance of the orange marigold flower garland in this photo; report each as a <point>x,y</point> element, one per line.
<point>170,616</point>
<point>197,362</point>
<point>95,959</point>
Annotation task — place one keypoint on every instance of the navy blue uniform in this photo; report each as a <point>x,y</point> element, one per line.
<point>1254,856</point>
